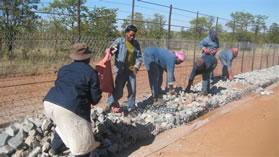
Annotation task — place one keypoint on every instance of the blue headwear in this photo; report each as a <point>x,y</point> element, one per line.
<point>213,35</point>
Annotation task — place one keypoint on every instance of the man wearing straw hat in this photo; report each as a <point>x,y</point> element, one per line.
<point>69,102</point>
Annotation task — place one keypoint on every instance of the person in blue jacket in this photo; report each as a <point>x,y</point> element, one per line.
<point>158,60</point>
<point>210,45</point>
<point>203,65</point>
<point>128,59</point>
<point>69,102</point>
<point>226,58</point>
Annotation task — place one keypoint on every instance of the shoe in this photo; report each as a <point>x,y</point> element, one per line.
<point>52,152</point>
<point>204,93</point>
<point>133,113</point>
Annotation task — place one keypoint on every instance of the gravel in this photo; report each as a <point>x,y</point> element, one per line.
<point>32,136</point>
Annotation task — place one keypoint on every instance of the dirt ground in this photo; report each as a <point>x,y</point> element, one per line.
<point>22,96</point>
<point>245,128</point>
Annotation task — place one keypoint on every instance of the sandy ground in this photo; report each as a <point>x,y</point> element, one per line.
<point>245,128</point>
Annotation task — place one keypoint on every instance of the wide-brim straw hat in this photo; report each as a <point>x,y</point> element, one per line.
<point>80,51</point>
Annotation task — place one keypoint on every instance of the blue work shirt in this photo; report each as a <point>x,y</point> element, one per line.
<point>164,58</point>
<point>76,88</point>
<point>121,53</point>
<point>226,58</point>
<point>210,62</point>
<point>209,44</point>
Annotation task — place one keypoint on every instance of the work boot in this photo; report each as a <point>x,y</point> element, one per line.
<point>133,113</point>
<point>204,93</point>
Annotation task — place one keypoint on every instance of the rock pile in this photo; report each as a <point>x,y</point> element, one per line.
<point>32,136</point>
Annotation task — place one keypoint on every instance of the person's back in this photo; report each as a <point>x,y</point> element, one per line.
<point>72,89</point>
<point>227,55</point>
<point>161,56</point>
<point>210,62</point>
<point>68,103</point>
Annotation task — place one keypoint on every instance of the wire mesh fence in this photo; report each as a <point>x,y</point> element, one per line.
<point>29,60</point>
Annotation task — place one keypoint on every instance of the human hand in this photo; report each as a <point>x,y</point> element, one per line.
<point>205,50</point>
<point>135,71</point>
<point>214,51</point>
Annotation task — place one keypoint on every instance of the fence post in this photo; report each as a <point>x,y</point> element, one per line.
<point>266,66</point>
<point>253,57</point>
<point>169,27</point>
<point>196,32</point>
<point>216,28</point>
<point>133,11</point>
<point>273,55</point>
<point>261,56</point>
<point>242,58</point>
<point>233,30</point>
<point>78,20</point>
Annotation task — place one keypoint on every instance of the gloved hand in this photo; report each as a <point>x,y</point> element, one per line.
<point>230,74</point>
<point>188,88</point>
<point>205,50</point>
<point>214,51</point>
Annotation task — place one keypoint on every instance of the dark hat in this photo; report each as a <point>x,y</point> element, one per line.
<point>80,52</point>
<point>213,35</point>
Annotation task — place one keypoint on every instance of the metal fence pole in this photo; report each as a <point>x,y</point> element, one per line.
<point>242,58</point>
<point>253,57</point>
<point>78,20</point>
<point>169,27</point>
<point>266,65</point>
<point>196,34</point>
<point>216,28</point>
<point>273,55</point>
<point>133,11</point>
<point>233,30</point>
<point>261,56</point>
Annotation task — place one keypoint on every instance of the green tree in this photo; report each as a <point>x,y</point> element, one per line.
<point>204,25</point>
<point>17,16</point>
<point>66,17</point>
<point>273,33</point>
<point>155,26</point>
<point>242,21</point>
<point>258,24</point>
<point>101,22</point>
<point>139,22</point>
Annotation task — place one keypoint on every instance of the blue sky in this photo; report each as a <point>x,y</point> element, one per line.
<point>220,8</point>
<point>217,8</point>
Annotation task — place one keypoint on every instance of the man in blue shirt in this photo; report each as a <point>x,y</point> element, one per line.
<point>158,60</point>
<point>226,58</point>
<point>204,65</point>
<point>210,45</point>
<point>69,102</point>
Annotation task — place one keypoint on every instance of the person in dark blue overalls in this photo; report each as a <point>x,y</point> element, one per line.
<point>203,65</point>
<point>158,60</point>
